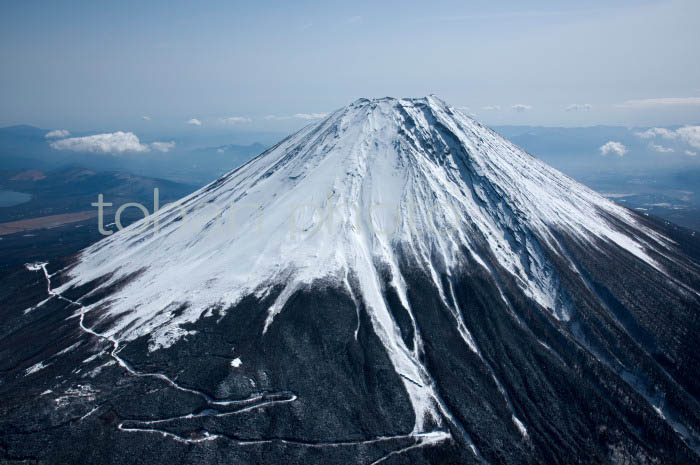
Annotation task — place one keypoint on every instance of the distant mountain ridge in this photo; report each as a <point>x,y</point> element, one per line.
<point>26,147</point>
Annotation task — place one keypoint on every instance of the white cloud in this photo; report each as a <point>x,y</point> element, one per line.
<point>57,134</point>
<point>113,142</point>
<point>521,107</point>
<point>304,116</point>
<point>194,122</point>
<point>276,118</point>
<point>163,146</point>
<point>579,107</point>
<point>220,150</point>
<point>491,108</point>
<point>691,153</point>
<point>653,132</point>
<point>146,118</point>
<point>660,148</point>
<point>236,120</point>
<point>612,147</point>
<point>310,115</point>
<point>662,102</point>
<point>690,134</point>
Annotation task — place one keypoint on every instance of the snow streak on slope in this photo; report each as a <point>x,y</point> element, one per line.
<point>338,200</point>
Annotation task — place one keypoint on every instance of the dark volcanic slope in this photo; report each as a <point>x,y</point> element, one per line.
<point>533,322</point>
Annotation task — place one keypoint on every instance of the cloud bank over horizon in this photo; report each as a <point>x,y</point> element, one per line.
<point>520,107</point>
<point>579,107</point>
<point>236,120</point>
<point>689,135</point>
<point>300,116</point>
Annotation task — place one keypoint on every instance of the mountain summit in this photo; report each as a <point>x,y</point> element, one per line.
<point>401,285</point>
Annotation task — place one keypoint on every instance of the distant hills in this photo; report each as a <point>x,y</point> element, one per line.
<point>59,219</point>
<point>25,147</point>
<point>74,188</point>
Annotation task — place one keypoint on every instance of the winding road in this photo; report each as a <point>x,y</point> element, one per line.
<point>261,400</point>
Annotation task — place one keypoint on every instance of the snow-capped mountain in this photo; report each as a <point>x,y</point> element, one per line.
<point>398,284</point>
<point>340,199</point>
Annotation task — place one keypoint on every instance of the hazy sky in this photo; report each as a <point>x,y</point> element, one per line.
<point>270,67</point>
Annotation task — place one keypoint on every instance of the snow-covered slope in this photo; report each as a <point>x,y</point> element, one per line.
<point>345,200</point>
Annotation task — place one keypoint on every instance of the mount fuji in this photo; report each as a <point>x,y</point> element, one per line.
<point>394,284</point>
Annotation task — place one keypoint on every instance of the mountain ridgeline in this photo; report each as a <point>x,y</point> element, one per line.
<point>394,284</point>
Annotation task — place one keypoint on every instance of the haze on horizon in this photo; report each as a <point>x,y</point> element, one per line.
<point>111,66</point>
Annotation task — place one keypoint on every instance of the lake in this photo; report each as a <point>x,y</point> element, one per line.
<point>12,198</point>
